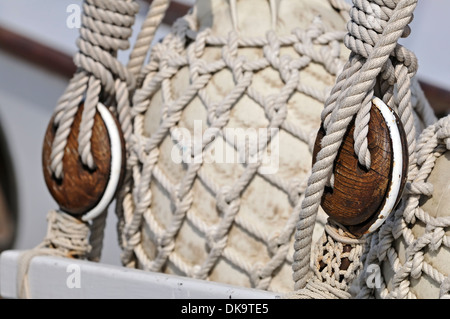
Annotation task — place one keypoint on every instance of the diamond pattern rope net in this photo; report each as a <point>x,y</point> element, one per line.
<point>215,202</point>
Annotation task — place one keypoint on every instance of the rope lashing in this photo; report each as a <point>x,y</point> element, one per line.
<point>378,66</point>
<point>100,78</point>
<point>353,91</point>
<point>66,237</point>
<point>337,262</point>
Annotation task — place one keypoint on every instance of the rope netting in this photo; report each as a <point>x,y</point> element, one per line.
<point>409,260</point>
<point>184,50</point>
<point>377,66</point>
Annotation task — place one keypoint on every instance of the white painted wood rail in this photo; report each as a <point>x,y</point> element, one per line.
<point>61,278</point>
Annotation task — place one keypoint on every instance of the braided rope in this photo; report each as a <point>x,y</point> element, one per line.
<point>377,65</point>
<point>152,22</point>
<point>106,29</point>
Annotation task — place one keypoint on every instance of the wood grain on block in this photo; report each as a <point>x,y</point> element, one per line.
<point>80,188</point>
<point>358,194</point>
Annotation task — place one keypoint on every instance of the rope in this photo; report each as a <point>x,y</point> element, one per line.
<point>378,65</point>
<point>431,144</point>
<point>354,88</point>
<point>337,262</point>
<point>66,237</point>
<point>104,32</point>
<point>153,20</point>
<point>97,229</point>
<point>106,29</point>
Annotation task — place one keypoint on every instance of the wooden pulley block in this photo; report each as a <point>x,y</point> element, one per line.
<point>82,191</point>
<point>362,199</point>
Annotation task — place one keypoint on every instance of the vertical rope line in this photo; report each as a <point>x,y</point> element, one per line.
<point>148,30</point>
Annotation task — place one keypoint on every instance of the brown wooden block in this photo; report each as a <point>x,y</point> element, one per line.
<point>80,188</point>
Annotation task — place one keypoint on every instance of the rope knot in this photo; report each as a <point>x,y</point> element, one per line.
<point>437,236</point>
<point>256,274</point>
<point>419,188</point>
<point>443,132</point>
<point>223,201</point>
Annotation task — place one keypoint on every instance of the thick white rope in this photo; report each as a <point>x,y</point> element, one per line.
<point>355,86</point>
<point>104,32</point>
<point>152,22</point>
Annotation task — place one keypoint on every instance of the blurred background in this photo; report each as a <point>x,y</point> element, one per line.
<point>36,49</point>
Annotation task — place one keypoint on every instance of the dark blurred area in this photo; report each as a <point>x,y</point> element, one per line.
<point>8,196</point>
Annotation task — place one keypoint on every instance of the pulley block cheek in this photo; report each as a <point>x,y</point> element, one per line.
<point>82,191</point>
<point>362,199</point>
